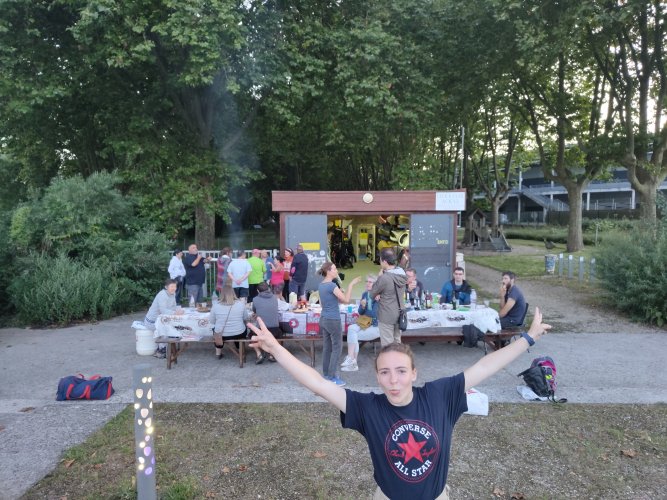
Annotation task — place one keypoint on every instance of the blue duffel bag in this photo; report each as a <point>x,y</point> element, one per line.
<point>78,387</point>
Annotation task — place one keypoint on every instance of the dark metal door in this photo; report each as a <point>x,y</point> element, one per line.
<point>431,240</point>
<point>311,232</point>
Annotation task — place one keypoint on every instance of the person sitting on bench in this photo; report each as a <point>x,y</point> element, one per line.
<point>356,332</point>
<point>457,287</point>
<point>512,302</point>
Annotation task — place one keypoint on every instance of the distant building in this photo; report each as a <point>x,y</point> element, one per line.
<point>532,197</point>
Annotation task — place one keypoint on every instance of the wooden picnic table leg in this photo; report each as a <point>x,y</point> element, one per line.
<point>241,354</point>
<point>169,351</point>
<point>312,353</point>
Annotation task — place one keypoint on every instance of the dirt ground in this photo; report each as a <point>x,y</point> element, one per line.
<point>572,309</point>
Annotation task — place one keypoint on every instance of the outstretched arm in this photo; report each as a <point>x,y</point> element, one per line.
<point>345,297</point>
<point>303,373</point>
<point>499,359</point>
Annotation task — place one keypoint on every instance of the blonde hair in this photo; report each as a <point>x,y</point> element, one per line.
<point>227,295</point>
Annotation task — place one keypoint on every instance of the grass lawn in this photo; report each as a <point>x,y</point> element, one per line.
<point>526,265</point>
<point>532,450</point>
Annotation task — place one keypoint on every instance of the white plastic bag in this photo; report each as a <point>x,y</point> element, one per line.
<point>527,393</point>
<point>478,402</point>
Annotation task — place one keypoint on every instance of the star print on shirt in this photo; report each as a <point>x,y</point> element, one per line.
<point>412,449</point>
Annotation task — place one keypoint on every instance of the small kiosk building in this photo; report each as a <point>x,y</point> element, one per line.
<point>365,222</point>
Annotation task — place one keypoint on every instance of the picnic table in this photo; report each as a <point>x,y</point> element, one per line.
<point>429,325</point>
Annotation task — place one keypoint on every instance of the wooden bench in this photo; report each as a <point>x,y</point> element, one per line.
<point>176,346</point>
<point>493,340</point>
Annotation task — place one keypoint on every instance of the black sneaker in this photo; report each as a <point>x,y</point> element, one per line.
<point>260,359</point>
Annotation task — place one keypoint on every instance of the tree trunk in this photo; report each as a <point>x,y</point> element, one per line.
<point>495,215</point>
<point>647,202</point>
<point>204,228</point>
<point>575,237</point>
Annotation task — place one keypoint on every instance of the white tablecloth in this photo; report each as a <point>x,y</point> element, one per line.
<point>484,318</point>
<point>192,323</point>
<point>309,323</point>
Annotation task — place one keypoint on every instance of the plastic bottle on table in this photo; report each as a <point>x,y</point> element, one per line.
<point>473,298</point>
<point>192,301</point>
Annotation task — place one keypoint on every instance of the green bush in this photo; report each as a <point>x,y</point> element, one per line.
<point>84,253</point>
<point>7,270</point>
<point>59,290</point>
<point>632,267</point>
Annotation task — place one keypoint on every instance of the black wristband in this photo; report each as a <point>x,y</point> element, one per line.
<point>529,339</point>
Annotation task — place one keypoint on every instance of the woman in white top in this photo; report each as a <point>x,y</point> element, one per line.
<point>176,272</point>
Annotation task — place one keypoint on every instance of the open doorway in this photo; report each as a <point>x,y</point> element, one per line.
<point>357,238</point>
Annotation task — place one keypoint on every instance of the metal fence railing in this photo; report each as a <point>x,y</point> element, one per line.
<point>212,268</point>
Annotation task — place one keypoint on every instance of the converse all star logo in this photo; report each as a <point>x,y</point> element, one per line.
<point>412,449</point>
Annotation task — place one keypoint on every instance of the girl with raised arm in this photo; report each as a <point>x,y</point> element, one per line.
<point>331,327</point>
<point>408,429</point>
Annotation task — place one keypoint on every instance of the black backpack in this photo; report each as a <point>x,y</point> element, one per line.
<point>541,378</point>
<point>471,335</point>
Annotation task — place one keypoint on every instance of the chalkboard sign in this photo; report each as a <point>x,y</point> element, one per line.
<point>431,239</point>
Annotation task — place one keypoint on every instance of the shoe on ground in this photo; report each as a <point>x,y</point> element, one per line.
<point>347,361</point>
<point>260,359</point>
<point>337,381</point>
<point>160,353</point>
<point>353,367</point>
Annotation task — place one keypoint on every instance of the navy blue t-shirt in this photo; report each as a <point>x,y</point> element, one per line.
<point>194,275</point>
<point>410,444</point>
<point>516,312</point>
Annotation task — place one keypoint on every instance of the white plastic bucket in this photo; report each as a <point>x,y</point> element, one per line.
<point>145,343</point>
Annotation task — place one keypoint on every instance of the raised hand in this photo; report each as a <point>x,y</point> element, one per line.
<point>537,328</point>
<point>263,338</point>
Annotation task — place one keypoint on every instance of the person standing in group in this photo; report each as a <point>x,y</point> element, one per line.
<point>299,273</point>
<point>287,266</point>
<point>331,328</point>
<point>195,273</point>
<point>221,268</point>
<point>512,302</point>
<point>256,276</point>
<point>408,429</point>
<point>277,272</point>
<point>238,272</point>
<point>176,272</point>
<point>390,288</point>
<point>356,332</point>
<point>456,288</point>
<point>268,260</point>
<point>229,315</point>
